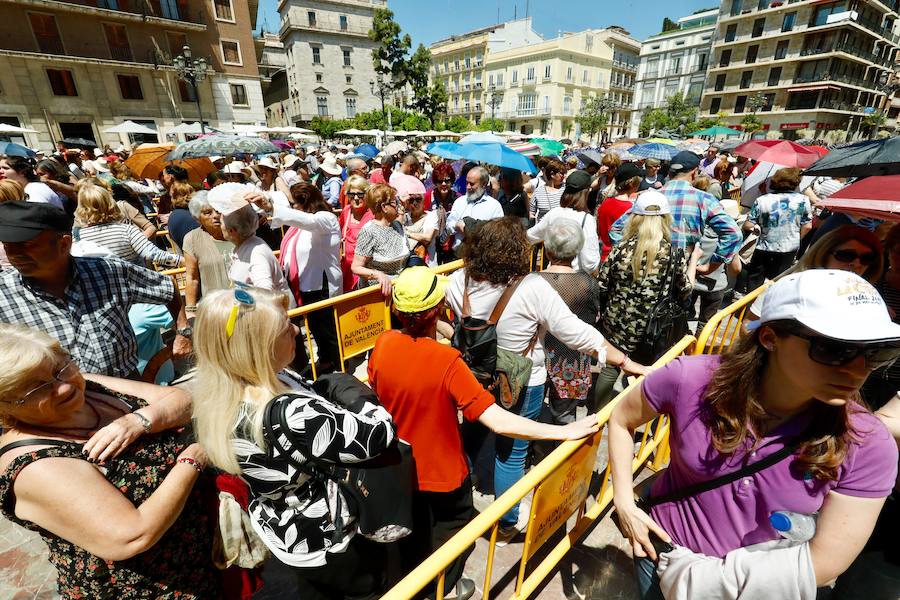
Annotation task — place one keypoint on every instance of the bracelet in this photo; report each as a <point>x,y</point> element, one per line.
<point>190,461</point>
<point>145,422</point>
<point>621,365</point>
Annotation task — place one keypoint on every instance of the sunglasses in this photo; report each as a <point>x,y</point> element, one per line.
<point>440,181</point>
<point>66,373</point>
<point>848,256</point>
<point>242,299</point>
<point>356,194</point>
<point>836,353</point>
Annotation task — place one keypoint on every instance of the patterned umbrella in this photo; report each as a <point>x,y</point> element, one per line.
<point>222,145</point>
<point>526,148</point>
<point>148,160</point>
<point>658,151</point>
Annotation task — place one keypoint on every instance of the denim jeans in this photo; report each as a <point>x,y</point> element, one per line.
<point>647,579</point>
<point>509,464</point>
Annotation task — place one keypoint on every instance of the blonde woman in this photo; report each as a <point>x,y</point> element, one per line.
<point>244,344</point>
<point>102,223</point>
<point>354,215</point>
<point>635,277</point>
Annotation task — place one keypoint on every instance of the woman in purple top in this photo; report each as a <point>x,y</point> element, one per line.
<point>795,376</point>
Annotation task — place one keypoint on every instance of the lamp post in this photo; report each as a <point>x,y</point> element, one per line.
<point>495,100</point>
<point>193,70</point>
<point>381,88</point>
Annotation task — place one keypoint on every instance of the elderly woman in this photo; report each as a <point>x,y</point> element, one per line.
<point>244,344</point>
<point>420,225</point>
<point>381,248</point>
<point>101,469</point>
<point>497,255</point>
<point>206,253</point>
<point>353,217</point>
<point>101,222</point>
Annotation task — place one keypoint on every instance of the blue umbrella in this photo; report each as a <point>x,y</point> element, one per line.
<point>11,149</point>
<point>500,155</point>
<point>658,151</point>
<point>444,149</point>
<point>367,150</point>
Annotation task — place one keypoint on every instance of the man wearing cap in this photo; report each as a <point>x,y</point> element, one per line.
<point>692,210</point>
<point>81,301</point>
<point>474,204</point>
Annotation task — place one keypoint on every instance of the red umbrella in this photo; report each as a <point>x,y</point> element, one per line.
<point>780,152</point>
<point>877,197</point>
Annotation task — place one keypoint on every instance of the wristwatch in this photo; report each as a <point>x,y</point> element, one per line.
<point>145,422</point>
<point>186,332</point>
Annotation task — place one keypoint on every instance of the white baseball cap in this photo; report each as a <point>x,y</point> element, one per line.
<point>836,304</point>
<point>651,202</point>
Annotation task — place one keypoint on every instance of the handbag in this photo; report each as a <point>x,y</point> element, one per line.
<point>502,372</point>
<point>667,321</point>
<point>379,491</point>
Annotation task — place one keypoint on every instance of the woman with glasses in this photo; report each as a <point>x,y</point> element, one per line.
<point>786,393</point>
<point>381,248</point>
<point>101,468</point>
<point>353,217</point>
<point>420,225</point>
<point>440,199</point>
<point>244,345</point>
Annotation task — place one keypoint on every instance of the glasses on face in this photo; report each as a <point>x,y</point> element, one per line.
<point>835,353</point>
<point>391,203</point>
<point>415,199</point>
<point>848,256</point>
<point>66,373</point>
<point>356,194</point>
<point>242,300</point>
<point>441,181</point>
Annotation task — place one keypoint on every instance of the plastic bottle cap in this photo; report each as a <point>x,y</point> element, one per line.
<point>780,521</point>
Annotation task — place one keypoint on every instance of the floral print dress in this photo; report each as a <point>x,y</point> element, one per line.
<point>179,566</point>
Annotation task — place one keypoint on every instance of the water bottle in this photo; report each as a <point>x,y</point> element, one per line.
<point>792,526</point>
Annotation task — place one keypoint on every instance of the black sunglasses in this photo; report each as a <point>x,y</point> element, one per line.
<point>848,256</point>
<point>440,181</point>
<point>836,353</point>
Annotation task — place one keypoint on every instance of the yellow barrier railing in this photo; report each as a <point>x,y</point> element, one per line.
<point>725,326</point>
<point>577,457</point>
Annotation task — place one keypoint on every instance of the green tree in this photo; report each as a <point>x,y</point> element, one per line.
<point>669,25</point>
<point>654,119</point>
<point>751,124</point>
<point>327,128</point>
<point>678,112</point>
<point>389,54</point>
<point>756,103</point>
<point>492,125</point>
<point>873,122</point>
<point>459,124</point>
<point>594,116</point>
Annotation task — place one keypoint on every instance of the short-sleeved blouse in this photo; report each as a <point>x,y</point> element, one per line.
<point>385,247</point>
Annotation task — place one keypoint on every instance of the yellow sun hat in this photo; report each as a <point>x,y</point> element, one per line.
<point>417,289</point>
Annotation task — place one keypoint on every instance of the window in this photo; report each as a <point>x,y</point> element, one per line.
<point>567,105</point>
<point>231,52</point>
<point>177,42</point>
<point>695,90</point>
<point>715,105</point>
<point>731,32</point>
<point>746,78</point>
<point>720,82</point>
<point>224,10</point>
<point>468,62</point>
<point>759,26</point>
<point>676,65</point>
<point>186,91</point>
<point>238,94</point>
<point>702,60</point>
<point>110,4</point>
<point>782,49</point>
<point>117,40</point>
<point>322,106</point>
<point>456,64</point>
<point>752,53</point>
<point>547,104</point>
<point>736,7</point>
<point>546,71</point>
<point>530,74</point>
<point>725,58</point>
<point>774,76</point>
<point>346,57</point>
<point>585,78</point>
<point>349,79</point>
<point>491,80</point>
<point>788,23</point>
<point>167,8</point>
<point>311,17</point>
<point>319,77</point>
<point>770,102</point>
<point>823,12</point>
<point>351,107</point>
<point>130,87</point>
<point>527,104</point>
<point>740,103</point>
<point>500,78</point>
<point>317,55</point>
<point>46,33</point>
<point>763,5</point>
<point>652,68</point>
<point>343,21</point>
<point>515,76</point>
<point>61,82</point>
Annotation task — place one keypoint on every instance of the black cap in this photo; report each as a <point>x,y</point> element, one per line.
<point>684,161</point>
<point>21,221</point>
<point>628,170</point>
<point>578,181</point>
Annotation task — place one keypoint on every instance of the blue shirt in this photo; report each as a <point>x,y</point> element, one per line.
<point>780,217</point>
<point>692,211</point>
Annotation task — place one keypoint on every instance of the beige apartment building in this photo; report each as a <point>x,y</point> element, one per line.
<point>75,68</point>
<point>819,66</point>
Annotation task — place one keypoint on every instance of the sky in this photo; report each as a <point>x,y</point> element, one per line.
<point>430,20</point>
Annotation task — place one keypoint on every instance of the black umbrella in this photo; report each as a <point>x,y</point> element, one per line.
<point>862,159</point>
<point>79,143</point>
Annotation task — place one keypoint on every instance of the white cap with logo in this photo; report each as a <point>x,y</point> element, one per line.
<point>836,304</point>
<point>651,202</point>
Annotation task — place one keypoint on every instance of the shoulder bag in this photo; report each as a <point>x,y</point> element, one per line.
<point>667,321</point>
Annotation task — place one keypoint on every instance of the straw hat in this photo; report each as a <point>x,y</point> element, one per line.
<point>330,166</point>
<point>268,162</point>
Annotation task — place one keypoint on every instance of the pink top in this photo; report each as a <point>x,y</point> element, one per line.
<point>737,515</point>
<point>349,233</point>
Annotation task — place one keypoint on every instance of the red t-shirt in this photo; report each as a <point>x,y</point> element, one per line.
<point>423,383</point>
<point>608,213</point>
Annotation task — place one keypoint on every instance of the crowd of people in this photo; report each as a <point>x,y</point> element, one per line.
<point>163,441</point>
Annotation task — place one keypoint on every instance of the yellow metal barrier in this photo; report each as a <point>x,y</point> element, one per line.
<point>560,475</point>
<point>725,326</point>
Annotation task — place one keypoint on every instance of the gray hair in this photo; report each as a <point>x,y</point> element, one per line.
<point>198,202</point>
<point>355,164</point>
<point>483,175</point>
<point>244,221</point>
<point>564,239</point>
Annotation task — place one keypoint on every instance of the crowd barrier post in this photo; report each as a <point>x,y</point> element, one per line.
<point>725,326</point>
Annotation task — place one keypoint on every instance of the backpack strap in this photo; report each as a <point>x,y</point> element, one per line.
<point>503,301</point>
<point>34,442</point>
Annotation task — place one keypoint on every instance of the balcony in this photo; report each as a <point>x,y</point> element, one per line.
<point>624,66</point>
<point>846,79</point>
<point>477,85</point>
<point>529,81</point>
<point>150,11</point>
<point>849,49</point>
<point>673,71</point>
<point>305,25</point>
<point>122,53</point>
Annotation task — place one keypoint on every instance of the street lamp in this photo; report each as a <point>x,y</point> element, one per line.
<point>381,88</point>
<point>496,99</point>
<point>193,70</point>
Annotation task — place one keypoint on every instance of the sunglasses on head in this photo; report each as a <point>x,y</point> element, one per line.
<point>836,353</point>
<point>242,300</point>
<point>848,256</point>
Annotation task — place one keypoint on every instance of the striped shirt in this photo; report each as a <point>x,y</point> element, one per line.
<point>127,242</point>
<point>544,200</point>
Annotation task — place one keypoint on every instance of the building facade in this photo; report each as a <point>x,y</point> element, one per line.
<point>272,60</point>
<point>329,58</point>
<point>625,59</point>
<point>672,62</point>
<point>810,65</point>
<point>71,69</point>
